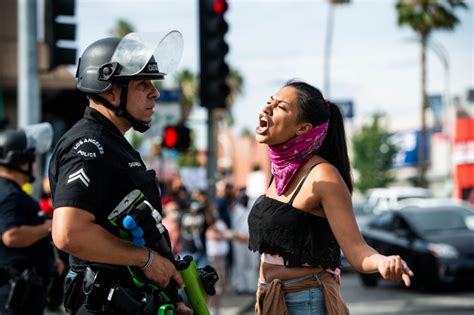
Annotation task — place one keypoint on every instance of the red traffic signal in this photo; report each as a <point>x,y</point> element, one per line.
<point>213,91</point>
<point>220,6</point>
<point>177,137</point>
<point>170,137</point>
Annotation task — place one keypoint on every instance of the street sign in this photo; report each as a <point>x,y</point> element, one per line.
<point>168,96</point>
<point>346,107</point>
<point>408,143</point>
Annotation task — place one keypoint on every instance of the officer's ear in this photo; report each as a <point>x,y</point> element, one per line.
<point>113,95</point>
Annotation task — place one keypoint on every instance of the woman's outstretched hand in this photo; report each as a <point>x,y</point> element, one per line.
<point>396,269</point>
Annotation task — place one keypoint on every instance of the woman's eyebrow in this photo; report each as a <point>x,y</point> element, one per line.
<point>279,100</point>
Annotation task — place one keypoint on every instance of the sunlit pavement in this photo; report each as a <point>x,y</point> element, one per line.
<point>233,304</point>
<point>386,298</point>
<point>392,298</point>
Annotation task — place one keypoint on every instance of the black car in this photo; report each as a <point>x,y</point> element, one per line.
<point>437,242</point>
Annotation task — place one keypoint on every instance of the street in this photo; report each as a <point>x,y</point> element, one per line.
<point>393,298</point>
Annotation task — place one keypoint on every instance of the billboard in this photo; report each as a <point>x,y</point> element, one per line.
<point>408,143</point>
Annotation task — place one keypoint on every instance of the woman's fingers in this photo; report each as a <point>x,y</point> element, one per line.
<point>395,268</point>
<point>406,279</point>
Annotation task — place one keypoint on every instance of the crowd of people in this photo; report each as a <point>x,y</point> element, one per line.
<point>213,234</point>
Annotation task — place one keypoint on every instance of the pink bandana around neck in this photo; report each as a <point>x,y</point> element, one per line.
<point>288,157</point>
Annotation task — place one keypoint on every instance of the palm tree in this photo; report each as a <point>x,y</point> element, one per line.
<point>122,28</point>
<point>424,17</point>
<point>187,85</point>
<point>235,81</point>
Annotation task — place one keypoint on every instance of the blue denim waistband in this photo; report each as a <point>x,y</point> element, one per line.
<point>293,280</point>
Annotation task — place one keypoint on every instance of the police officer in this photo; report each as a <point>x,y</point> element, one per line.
<point>26,254</point>
<point>93,166</point>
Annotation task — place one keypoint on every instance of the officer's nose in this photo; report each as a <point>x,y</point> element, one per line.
<point>155,94</point>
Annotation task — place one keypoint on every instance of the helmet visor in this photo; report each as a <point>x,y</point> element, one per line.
<point>151,54</point>
<point>39,137</point>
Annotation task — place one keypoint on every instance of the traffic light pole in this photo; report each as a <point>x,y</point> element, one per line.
<point>211,155</point>
<point>28,85</point>
<point>214,90</point>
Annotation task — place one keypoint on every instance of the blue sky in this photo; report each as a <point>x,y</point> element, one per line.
<point>374,62</point>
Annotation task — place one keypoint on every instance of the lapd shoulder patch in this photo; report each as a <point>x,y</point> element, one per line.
<point>88,149</point>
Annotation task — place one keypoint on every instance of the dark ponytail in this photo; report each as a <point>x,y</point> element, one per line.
<point>316,110</point>
<point>334,147</point>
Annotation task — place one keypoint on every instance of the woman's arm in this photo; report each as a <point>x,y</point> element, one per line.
<point>337,205</point>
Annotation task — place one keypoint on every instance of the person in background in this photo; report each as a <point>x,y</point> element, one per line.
<point>245,265</point>
<point>224,203</point>
<point>217,250</point>
<point>193,226</point>
<point>305,216</point>
<point>56,288</point>
<point>26,255</point>
<point>171,221</point>
<point>181,196</point>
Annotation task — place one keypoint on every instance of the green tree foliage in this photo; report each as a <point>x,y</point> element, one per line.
<point>189,158</point>
<point>373,155</point>
<point>122,28</point>
<point>424,17</point>
<point>187,84</point>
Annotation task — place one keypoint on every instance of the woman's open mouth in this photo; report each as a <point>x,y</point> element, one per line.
<point>262,124</point>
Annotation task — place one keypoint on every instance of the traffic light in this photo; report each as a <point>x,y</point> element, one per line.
<point>177,137</point>
<point>213,48</point>
<point>60,32</point>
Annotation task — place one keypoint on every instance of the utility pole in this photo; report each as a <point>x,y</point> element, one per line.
<point>211,154</point>
<point>28,86</point>
<point>327,51</point>
<point>328,46</point>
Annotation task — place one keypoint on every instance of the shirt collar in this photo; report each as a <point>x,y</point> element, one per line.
<point>95,115</point>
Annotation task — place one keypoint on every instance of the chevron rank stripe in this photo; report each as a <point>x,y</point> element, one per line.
<point>79,175</point>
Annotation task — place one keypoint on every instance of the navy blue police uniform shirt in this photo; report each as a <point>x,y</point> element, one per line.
<point>93,167</point>
<point>17,209</point>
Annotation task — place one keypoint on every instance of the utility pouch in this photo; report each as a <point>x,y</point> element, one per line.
<point>95,287</point>
<point>73,294</point>
<point>20,288</point>
<point>121,302</point>
<point>4,276</point>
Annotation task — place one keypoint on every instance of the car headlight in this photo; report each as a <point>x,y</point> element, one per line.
<point>443,250</point>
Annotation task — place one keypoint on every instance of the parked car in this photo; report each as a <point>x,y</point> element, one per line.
<point>437,242</point>
<point>383,199</point>
<point>435,202</point>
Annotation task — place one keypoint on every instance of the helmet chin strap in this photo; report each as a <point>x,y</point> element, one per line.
<point>121,110</point>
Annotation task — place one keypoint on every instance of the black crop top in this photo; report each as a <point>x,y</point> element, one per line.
<point>278,228</point>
